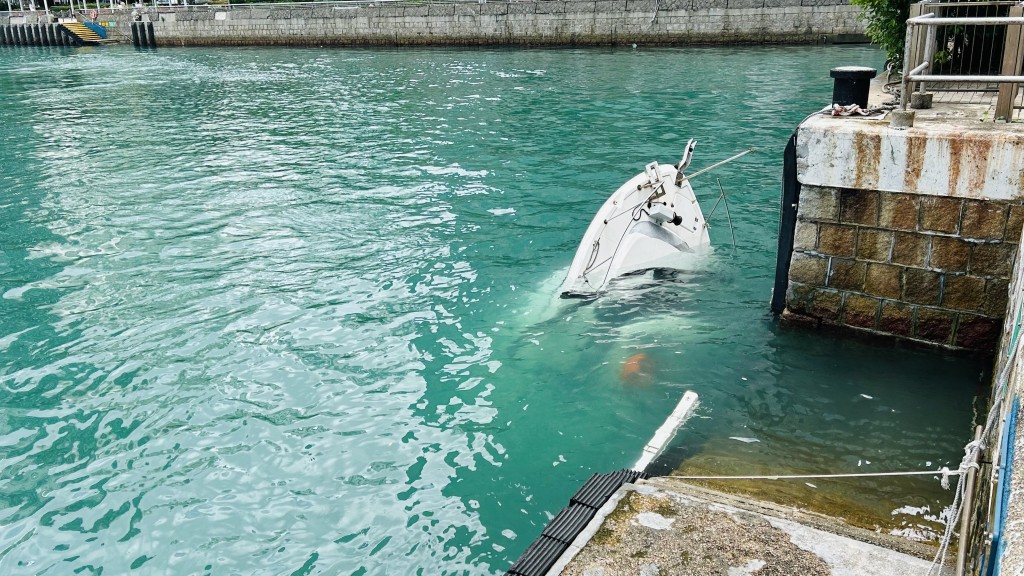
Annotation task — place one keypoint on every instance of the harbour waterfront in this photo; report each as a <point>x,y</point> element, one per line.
<point>291,311</point>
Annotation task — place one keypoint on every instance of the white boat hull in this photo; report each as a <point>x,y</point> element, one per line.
<point>650,222</point>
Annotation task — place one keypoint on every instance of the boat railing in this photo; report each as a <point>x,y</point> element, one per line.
<point>965,52</point>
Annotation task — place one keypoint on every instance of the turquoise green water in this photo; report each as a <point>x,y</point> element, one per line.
<point>291,311</point>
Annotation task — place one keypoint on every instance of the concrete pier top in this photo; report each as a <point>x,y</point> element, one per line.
<point>667,527</point>
<point>951,150</point>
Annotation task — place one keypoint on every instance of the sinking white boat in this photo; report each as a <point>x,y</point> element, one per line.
<point>652,221</point>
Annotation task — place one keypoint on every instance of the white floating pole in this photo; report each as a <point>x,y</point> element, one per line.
<point>667,431</point>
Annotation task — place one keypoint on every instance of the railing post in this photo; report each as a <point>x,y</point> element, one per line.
<point>1012,47</point>
<point>908,65</point>
<point>913,48</point>
<point>929,54</point>
<point>916,43</point>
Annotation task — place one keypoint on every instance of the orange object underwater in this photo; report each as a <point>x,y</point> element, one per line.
<point>636,369</point>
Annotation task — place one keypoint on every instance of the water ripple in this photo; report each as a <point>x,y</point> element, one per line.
<point>285,311</point>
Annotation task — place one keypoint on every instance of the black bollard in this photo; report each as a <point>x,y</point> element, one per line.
<point>851,85</point>
<point>135,34</point>
<point>152,36</point>
<point>3,35</point>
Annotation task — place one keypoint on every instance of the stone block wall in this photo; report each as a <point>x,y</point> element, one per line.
<point>927,268</point>
<point>522,23</point>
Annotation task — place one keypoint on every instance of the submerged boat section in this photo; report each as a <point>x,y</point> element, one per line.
<point>653,221</point>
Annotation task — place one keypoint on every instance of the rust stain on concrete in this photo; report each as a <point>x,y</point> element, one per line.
<point>1018,161</point>
<point>956,158</point>
<point>916,145</point>
<point>978,165</point>
<point>868,150</point>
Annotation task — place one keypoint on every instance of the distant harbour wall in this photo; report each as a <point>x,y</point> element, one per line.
<point>529,23</point>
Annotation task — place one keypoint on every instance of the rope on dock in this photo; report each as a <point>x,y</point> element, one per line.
<point>944,472</point>
<point>973,449</point>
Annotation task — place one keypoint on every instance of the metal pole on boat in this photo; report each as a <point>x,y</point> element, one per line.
<point>717,164</point>
<point>727,214</point>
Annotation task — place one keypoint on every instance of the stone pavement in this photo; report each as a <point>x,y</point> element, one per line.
<point>665,527</point>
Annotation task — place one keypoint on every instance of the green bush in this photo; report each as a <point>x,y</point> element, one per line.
<point>887,26</point>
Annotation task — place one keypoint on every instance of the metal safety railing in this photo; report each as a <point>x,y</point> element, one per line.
<point>965,52</point>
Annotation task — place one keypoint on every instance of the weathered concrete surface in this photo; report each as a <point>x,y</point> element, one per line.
<point>666,527</point>
<point>940,155</point>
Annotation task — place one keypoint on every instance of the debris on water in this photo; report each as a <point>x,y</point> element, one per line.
<point>868,397</point>
<point>744,440</point>
<point>502,211</point>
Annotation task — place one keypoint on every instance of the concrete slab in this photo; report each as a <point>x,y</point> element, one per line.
<point>666,527</point>
<point>953,149</point>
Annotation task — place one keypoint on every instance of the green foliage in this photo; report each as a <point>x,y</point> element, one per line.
<point>887,25</point>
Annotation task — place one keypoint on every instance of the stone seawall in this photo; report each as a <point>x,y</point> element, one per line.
<point>907,233</point>
<point>530,23</point>
<point>934,269</point>
<point>557,22</point>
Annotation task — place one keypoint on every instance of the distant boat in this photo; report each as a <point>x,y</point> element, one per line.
<point>653,221</point>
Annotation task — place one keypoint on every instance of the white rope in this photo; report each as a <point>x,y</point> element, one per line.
<point>972,451</point>
<point>944,472</point>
